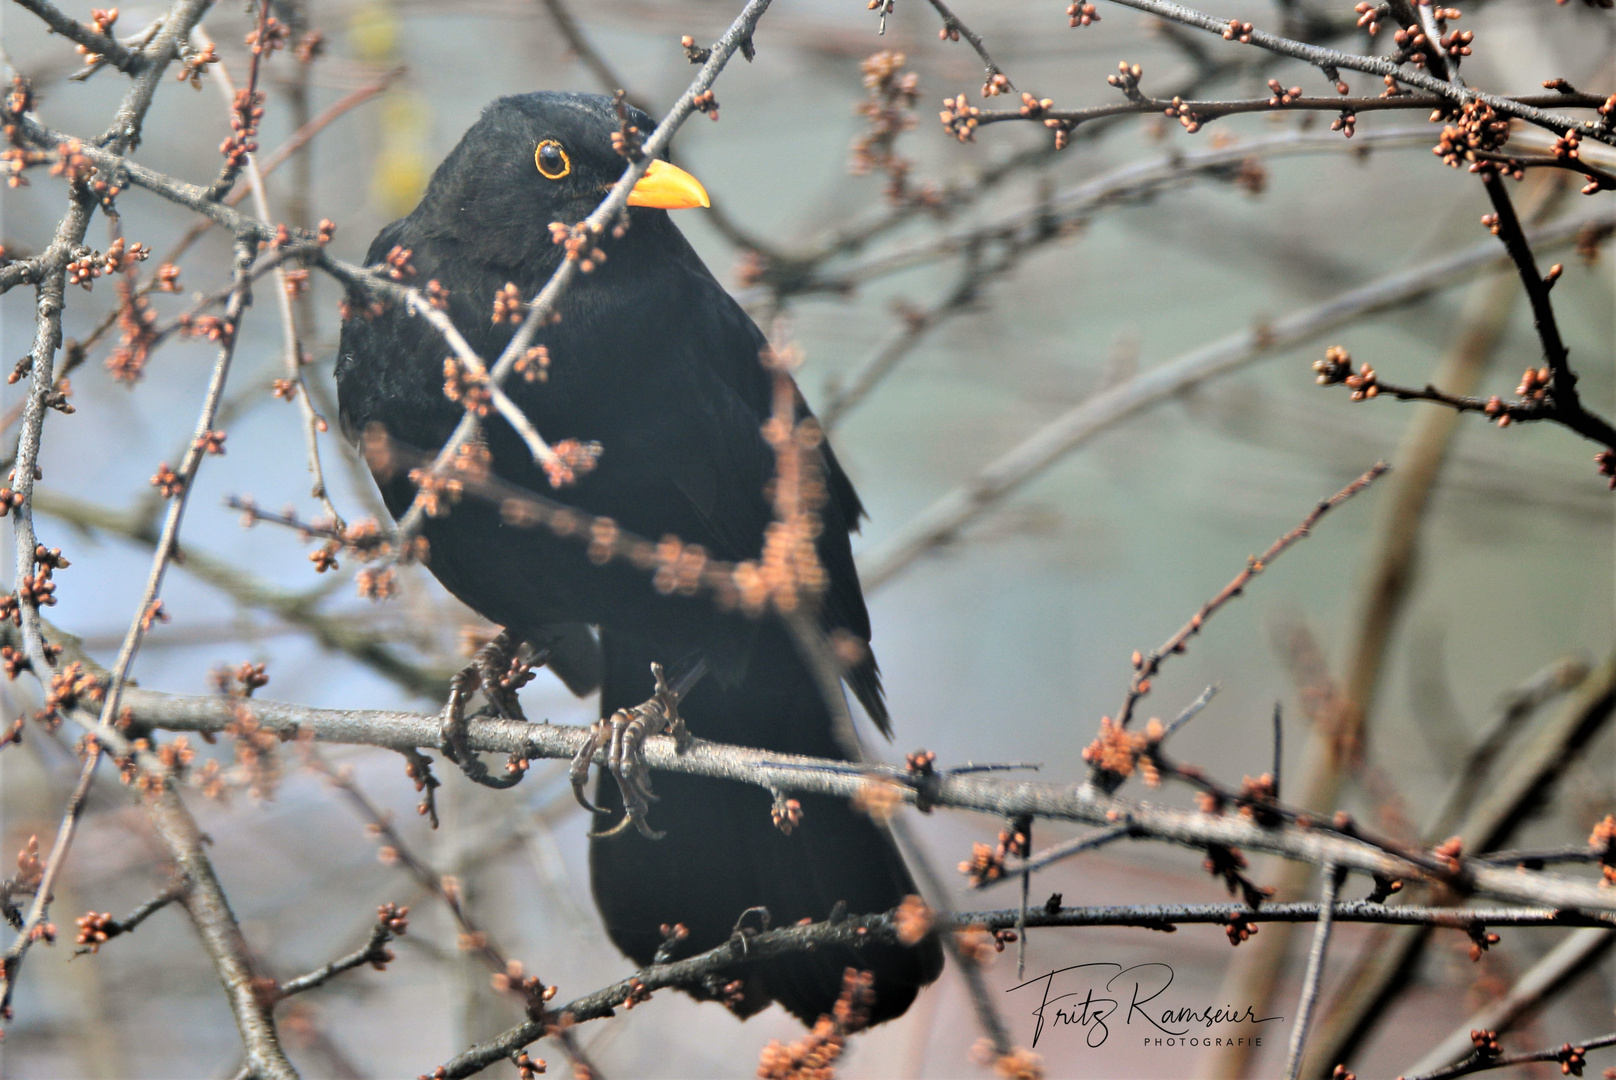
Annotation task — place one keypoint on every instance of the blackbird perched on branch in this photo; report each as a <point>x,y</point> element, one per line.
<point>652,359</point>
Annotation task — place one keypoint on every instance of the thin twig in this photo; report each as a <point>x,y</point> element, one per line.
<point>1315,970</point>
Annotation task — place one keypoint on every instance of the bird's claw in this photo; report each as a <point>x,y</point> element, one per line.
<point>622,737</point>
<point>499,669</point>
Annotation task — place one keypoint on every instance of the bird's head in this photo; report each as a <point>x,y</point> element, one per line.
<point>533,159</point>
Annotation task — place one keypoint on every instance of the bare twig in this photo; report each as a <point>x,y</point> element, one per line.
<point>1315,971</point>
<point>943,520</point>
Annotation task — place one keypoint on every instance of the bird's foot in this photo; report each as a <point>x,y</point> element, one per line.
<point>499,669</point>
<point>622,737</point>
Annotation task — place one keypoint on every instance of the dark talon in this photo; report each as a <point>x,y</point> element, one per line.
<point>498,669</point>
<point>623,736</point>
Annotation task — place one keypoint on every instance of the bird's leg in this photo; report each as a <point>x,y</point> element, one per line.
<point>499,669</point>
<point>622,736</point>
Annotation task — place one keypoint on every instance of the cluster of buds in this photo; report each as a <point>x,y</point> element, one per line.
<point>1567,148</point>
<point>921,763</point>
<point>1127,80</point>
<point>581,241</point>
<point>960,118</point>
<point>699,55</point>
<point>37,589</point>
<point>14,160</point>
<point>1480,940</point>
<point>1346,123</point>
<point>71,163</point>
<point>89,265</point>
<point>913,920</point>
<point>359,305</point>
<point>1282,96</point>
<point>814,1056</point>
<point>1190,120</point>
<point>627,140</point>
<point>507,304</point>
<point>268,38</point>
<point>1457,44</point>
<point>1239,927</point>
<point>255,747</point>
<point>997,83</point>
<point>1605,461</point>
<point>528,1067</point>
<point>69,688</point>
<point>101,22</point>
<point>30,867</point>
<point>1370,15</point>
<point>1083,14</point>
<point>707,103</point>
<point>786,814</point>
<point>392,920</point>
<point>1257,800</point>
<point>1485,1042</point>
<point>986,864</point>
<point>1032,107</point>
<point>1411,45</point>
<point>1475,128</point>
<point>1535,383</point>
<point>1572,1059</point>
<point>95,930</point>
<point>436,295</point>
<point>435,493</point>
<point>1449,853</point>
<point>245,113</point>
<point>889,110</point>
<point>1602,842</point>
<point>363,539</point>
<point>1229,864</point>
<point>19,100</point>
<point>195,64</point>
<point>534,365</point>
<point>679,566</point>
<point>398,265</point>
<point>789,573</point>
<point>1336,367</point>
<point>1116,751</point>
<point>167,482</point>
<point>572,458</point>
<point>137,324</point>
<point>1238,31</point>
<point>241,680</point>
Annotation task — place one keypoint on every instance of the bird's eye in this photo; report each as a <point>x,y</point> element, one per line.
<point>552,161</point>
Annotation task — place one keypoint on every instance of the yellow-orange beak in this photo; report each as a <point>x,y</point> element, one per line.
<point>668,187</point>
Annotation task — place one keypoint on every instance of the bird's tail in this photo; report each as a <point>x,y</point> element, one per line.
<point>722,854</point>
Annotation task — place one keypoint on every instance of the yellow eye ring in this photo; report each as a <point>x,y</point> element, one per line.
<point>544,158</point>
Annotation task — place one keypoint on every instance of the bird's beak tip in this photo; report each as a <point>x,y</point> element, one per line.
<point>668,187</point>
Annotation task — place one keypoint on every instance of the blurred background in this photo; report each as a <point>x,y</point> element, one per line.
<point>1006,645</point>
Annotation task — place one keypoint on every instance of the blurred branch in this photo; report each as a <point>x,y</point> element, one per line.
<point>1548,976</point>
<point>942,521</point>
<point>1534,769</point>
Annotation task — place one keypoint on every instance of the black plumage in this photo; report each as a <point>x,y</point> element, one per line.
<point>655,361</point>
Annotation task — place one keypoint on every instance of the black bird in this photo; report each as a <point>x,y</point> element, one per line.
<point>655,361</point>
